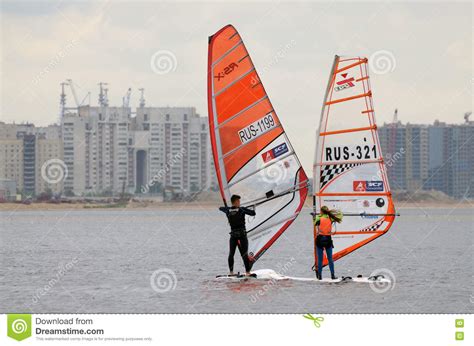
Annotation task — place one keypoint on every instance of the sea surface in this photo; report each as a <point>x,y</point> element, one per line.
<point>165,261</point>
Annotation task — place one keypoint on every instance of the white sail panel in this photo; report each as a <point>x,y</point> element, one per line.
<point>349,172</point>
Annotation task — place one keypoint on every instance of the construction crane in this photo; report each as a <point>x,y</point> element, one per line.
<point>142,97</point>
<point>73,91</point>
<point>393,133</point>
<point>106,97</point>
<point>88,97</point>
<point>466,117</point>
<point>103,101</point>
<point>74,94</point>
<point>126,98</point>
<point>62,100</point>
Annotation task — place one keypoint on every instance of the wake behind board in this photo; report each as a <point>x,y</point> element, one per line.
<point>269,274</point>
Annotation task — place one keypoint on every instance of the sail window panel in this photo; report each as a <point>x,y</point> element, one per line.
<point>346,116</point>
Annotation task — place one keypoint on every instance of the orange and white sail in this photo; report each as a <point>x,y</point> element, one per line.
<point>349,170</point>
<point>252,154</point>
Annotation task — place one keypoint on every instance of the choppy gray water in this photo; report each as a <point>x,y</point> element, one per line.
<point>95,261</point>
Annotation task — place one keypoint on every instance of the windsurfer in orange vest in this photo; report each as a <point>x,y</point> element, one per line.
<point>323,228</point>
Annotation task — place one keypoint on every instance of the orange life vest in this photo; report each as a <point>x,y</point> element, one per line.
<point>325,226</point>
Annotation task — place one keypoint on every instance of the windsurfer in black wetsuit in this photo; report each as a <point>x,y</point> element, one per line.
<point>238,234</point>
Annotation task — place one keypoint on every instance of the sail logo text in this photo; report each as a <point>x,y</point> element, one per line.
<point>367,186</point>
<point>345,153</point>
<point>257,128</point>
<point>345,83</point>
<point>227,70</point>
<point>275,152</point>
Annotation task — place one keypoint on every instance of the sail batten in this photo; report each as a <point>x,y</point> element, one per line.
<point>349,170</point>
<point>252,154</point>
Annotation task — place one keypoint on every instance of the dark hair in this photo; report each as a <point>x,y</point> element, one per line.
<point>234,198</point>
<point>331,213</point>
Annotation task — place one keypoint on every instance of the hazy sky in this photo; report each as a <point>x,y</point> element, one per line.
<point>421,54</point>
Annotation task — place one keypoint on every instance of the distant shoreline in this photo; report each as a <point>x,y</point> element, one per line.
<point>195,205</point>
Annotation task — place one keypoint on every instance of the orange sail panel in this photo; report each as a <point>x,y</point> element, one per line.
<point>349,171</point>
<point>252,154</point>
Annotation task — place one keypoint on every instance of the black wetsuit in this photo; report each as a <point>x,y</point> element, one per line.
<point>238,234</point>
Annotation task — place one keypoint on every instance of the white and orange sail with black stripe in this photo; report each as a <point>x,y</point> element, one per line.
<point>252,154</point>
<point>349,170</point>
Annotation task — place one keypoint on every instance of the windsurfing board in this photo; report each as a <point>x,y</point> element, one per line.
<point>269,274</point>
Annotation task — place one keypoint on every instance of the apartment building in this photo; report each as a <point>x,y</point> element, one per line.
<point>107,150</point>
<point>430,157</point>
<point>26,152</point>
